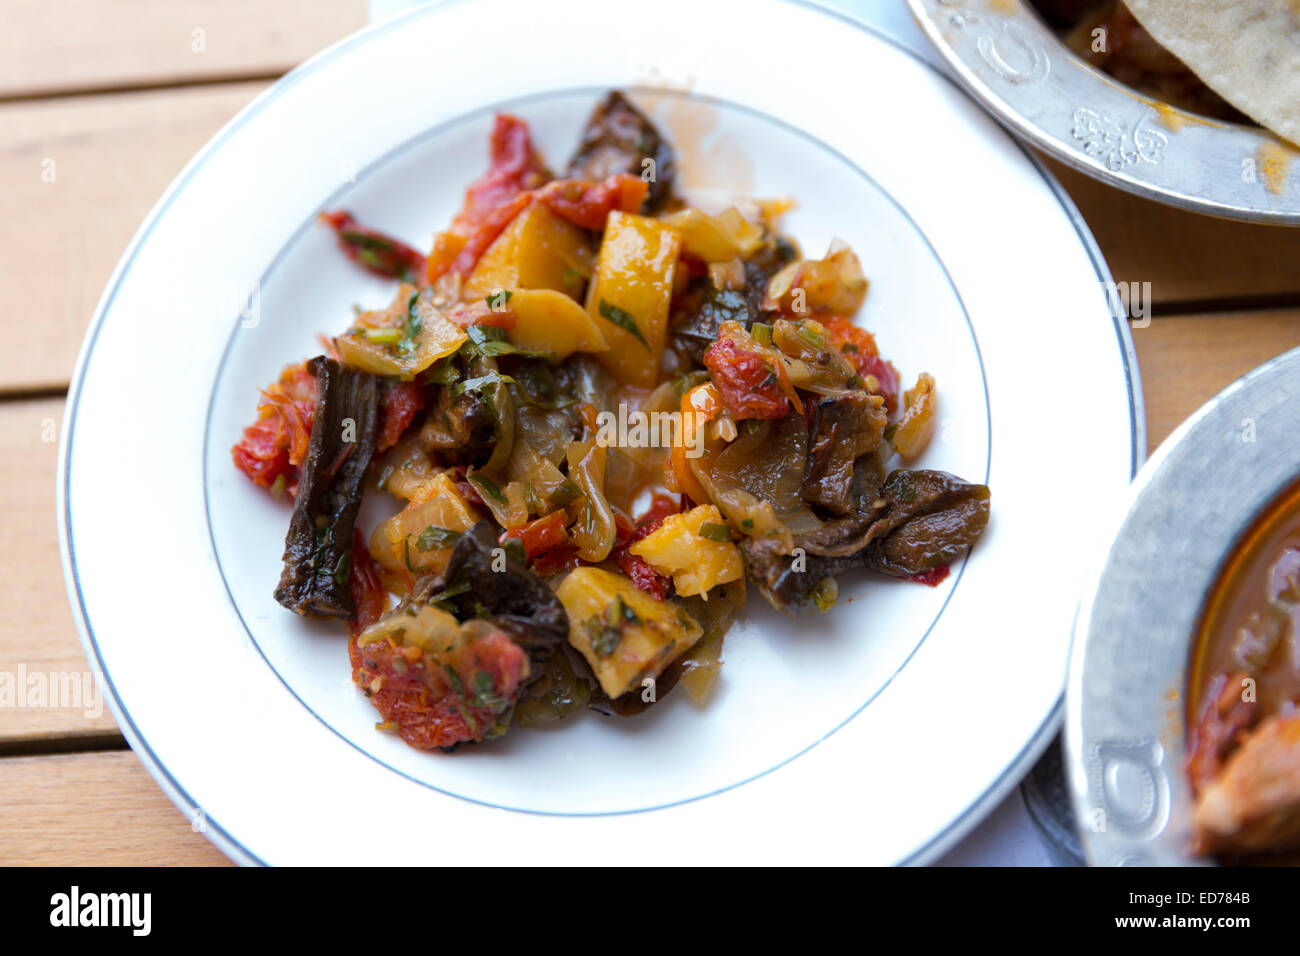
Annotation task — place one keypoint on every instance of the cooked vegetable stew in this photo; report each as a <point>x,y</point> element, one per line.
<point>605,413</point>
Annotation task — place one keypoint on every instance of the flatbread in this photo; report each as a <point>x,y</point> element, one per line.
<point>1247,51</point>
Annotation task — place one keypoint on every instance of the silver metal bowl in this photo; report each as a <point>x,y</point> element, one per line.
<point>1013,64</point>
<point>1125,700</point>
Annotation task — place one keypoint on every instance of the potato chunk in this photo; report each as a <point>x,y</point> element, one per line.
<point>549,321</point>
<point>625,634</point>
<point>630,295</point>
<point>538,250</point>
<point>697,562</point>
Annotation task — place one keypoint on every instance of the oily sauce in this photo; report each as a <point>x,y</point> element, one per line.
<point>1252,616</point>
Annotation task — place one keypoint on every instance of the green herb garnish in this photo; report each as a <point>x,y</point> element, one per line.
<point>605,638</point>
<point>623,320</point>
<point>491,341</point>
<point>489,487</point>
<point>715,532</point>
<point>434,538</point>
<point>343,567</point>
<point>496,301</point>
<point>406,345</point>
<point>623,612</point>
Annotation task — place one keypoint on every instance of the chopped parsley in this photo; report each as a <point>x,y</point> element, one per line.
<point>623,320</point>
<point>489,487</point>
<point>434,538</point>
<point>715,532</point>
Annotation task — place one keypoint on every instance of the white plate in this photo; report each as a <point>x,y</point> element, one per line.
<point>877,733</point>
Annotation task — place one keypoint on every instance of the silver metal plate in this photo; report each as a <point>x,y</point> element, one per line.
<point>1014,65</point>
<point>1126,696</point>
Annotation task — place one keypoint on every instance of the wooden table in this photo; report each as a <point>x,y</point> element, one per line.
<point>112,97</point>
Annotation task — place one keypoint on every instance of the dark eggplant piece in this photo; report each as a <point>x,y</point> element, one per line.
<point>922,519</point>
<point>318,547</point>
<point>461,428</point>
<point>933,519</point>
<point>843,430</point>
<point>513,597</point>
<point>619,138</point>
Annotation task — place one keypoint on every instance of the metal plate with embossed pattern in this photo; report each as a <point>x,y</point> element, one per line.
<point>1022,73</point>
<point>1126,695</point>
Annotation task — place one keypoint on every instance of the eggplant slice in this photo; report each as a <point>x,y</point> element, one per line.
<point>618,139</point>
<point>923,519</point>
<point>318,547</point>
<point>484,579</point>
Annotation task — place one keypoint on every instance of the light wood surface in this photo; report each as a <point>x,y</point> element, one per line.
<point>110,157</point>
<point>1186,360</point>
<point>38,643</point>
<point>111,92</point>
<point>51,47</point>
<point>98,808</point>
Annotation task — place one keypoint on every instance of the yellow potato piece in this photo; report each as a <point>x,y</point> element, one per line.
<point>538,250</point>
<point>625,634</point>
<point>630,295</point>
<point>695,563</point>
<point>552,322</point>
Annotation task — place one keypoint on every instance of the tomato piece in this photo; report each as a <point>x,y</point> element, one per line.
<point>540,535</point>
<point>859,347</point>
<point>645,577</point>
<point>493,223</point>
<point>402,402</point>
<point>933,577</point>
<point>383,255</point>
<point>562,557</point>
<point>444,699</point>
<point>749,385</point>
<point>491,201</point>
<point>855,342</point>
<point>887,380</point>
<point>515,167</point>
<point>588,204</point>
<point>368,593</point>
<point>276,444</point>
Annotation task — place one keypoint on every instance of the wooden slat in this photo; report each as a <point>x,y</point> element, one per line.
<point>1186,360</point>
<point>55,46</point>
<point>112,155</point>
<point>1187,258</point>
<point>98,809</point>
<point>38,642</point>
